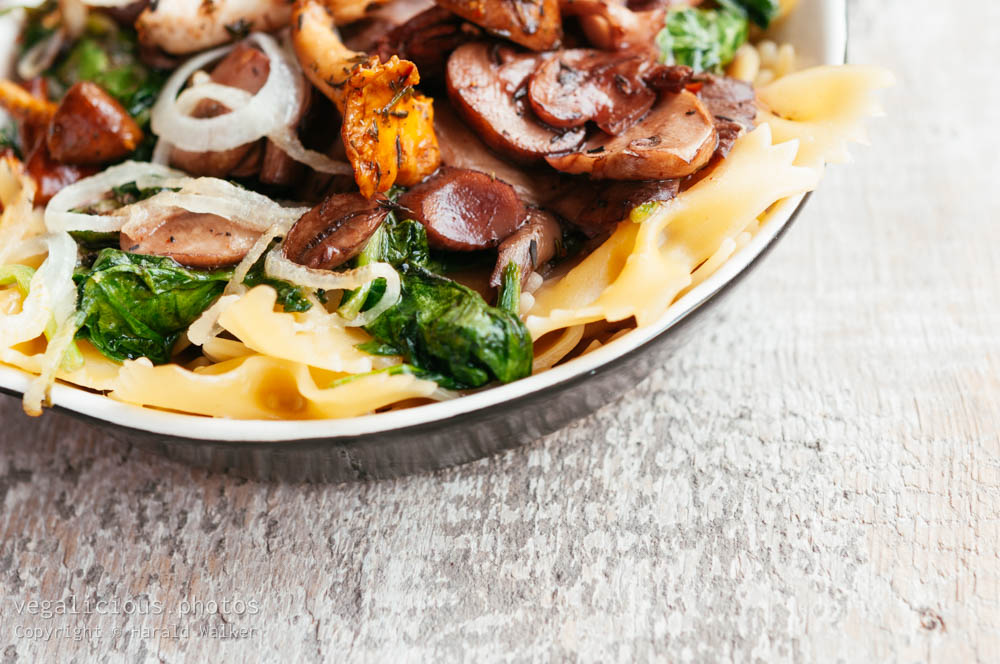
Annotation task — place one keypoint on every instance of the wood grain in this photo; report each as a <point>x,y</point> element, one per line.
<point>815,478</point>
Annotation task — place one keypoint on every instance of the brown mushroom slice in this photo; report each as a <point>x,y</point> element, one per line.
<point>612,26</point>
<point>532,245</point>
<point>676,139</point>
<point>427,40</point>
<point>487,84</point>
<point>204,241</point>
<point>335,231</point>
<point>460,148</point>
<point>597,207</point>
<point>579,85</point>
<point>733,107</point>
<point>245,68</point>
<point>90,127</point>
<point>464,210</point>
<point>535,24</point>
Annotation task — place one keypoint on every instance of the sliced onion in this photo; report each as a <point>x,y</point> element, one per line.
<point>276,265</point>
<point>235,284</point>
<point>54,282</point>
<point>40,57</point>
<point>274,106</point>
<point>289,143</point>
<point>207,327</point>
<point>226,95</point>
<point>248,209</point>
<point>58,215</point>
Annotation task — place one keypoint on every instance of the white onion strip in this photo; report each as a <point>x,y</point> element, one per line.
<point>274,106</point>
<point>289,143</point>
<point>279,267</point>
<point>58,215</point>
<point>55,281</point>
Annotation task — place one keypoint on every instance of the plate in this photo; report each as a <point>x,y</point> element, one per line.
<point>453,432</point>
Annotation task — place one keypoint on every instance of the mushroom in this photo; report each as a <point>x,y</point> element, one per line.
<point>579,85</point>
<point>676,139</point>
<point>532,245</point>
<point>388,128</point>
<point>732,104</point>
<point>487,84</point>
<point>180,27</point>
<point>335,231</point>
<point>610,25</point>
<point>245,68</point>
<point>597,207</point>
<point>90,127</point>
<point>204,241</point>
<point>535,24</point>
<point>464,210</point>
<point>460,148</point>
<point>426,40</point>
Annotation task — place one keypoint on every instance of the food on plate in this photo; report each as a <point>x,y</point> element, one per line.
<point>328,208</point>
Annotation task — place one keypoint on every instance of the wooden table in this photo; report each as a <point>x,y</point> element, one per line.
<point>817,477</point>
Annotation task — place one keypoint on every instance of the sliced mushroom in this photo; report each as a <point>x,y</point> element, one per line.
<point>204,241</point>
<point>580,85</point>
<point>426,40</point>
<point>245,68</point>
<point>597,207</point>
<point>460,148</point>
<point>334,231</point>
<point>534,244</point>
<point>188,26</point>
<point>676,139</point>
<point>487,84</point>
<point>90,127</point>
<point>733,107</point>
<point>535,24</point>
<point>611,25</point>
<point>464,210</point>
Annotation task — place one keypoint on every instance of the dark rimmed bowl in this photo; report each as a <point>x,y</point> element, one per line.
<point>458,431</point>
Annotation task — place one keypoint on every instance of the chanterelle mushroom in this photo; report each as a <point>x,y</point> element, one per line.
<point>388,128</point>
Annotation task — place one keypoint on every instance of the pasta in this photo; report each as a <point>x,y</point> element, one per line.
<point>279,337</point>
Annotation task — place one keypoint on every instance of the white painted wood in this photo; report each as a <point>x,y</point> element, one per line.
<point>815,478</point>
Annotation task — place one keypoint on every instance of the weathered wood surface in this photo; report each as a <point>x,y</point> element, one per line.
<point>816,478</point>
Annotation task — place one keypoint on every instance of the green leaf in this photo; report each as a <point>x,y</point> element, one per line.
<point>703,39</point>
<point>290,296</point>
<point>395,370</point>
<point>761,12</point>
<point>134,306</point>
<point>443,327</point>
<point>17,274</point>
<point>509,298</point>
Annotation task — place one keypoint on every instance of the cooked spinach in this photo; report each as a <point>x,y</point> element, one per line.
<point>109,56</point>
<point>509,298</point>
<point>9,140</point>
<point>441,326</point>
<point>290,296</point>
<point>394,242</point>
<point>703,39</point>
<point>761,12</point>
<point>134,306</point>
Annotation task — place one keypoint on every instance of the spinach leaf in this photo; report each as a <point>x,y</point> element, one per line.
<point>394,242</point>
<point>134,306</point>
<point>703,39</point>
<point>509,298</point>
<point>441,326</point>
<point>290,296</point>
<point>761,12</point>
